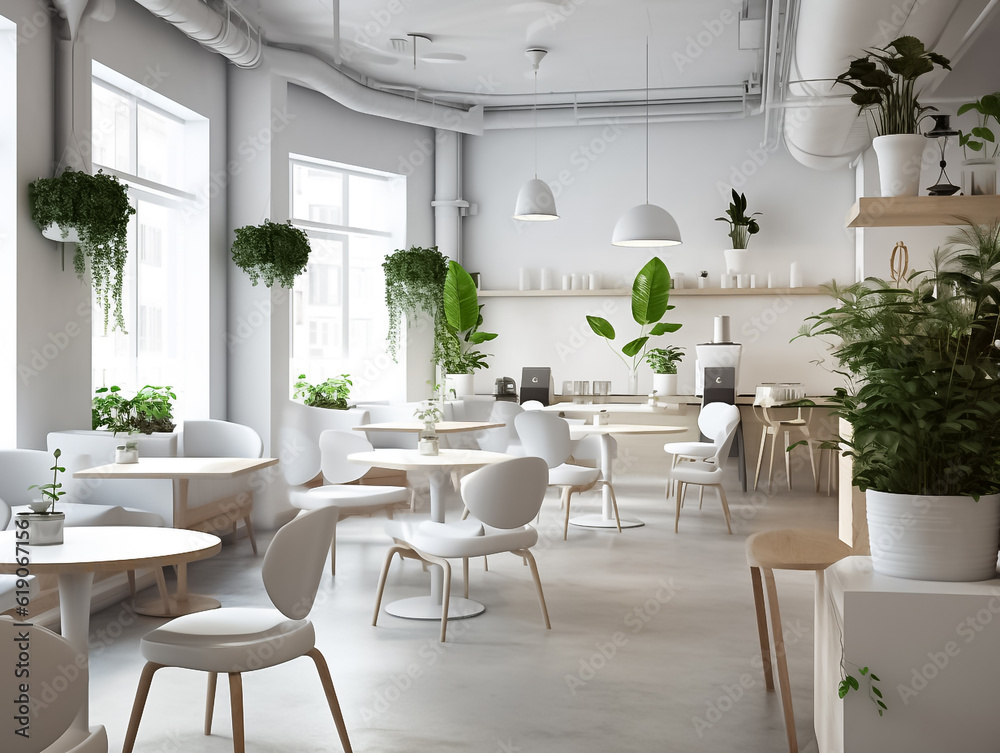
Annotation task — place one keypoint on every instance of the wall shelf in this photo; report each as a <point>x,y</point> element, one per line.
<point>625,292</point>
<point>922,211</point>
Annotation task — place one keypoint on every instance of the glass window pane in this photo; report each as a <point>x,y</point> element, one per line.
<point>160,147</point>
<point>317,195</point>
<point>111,125</point>
<point>370,204</point>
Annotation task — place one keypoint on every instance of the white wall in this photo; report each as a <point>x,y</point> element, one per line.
<point>597,174</point>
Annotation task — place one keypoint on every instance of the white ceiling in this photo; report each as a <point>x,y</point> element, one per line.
<point>478,46</point>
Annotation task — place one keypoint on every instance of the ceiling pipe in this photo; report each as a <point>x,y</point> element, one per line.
<point>570,116</point>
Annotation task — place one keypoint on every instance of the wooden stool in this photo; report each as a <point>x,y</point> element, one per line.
<point>785,549</point>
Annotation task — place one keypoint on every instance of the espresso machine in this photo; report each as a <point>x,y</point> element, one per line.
<point>505,389</point>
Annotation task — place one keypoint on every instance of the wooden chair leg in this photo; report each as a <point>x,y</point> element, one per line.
<point>760,456</point>
<point>817,472</point>
<point>465,577</point>
<point>788,460</point>
<point>779,649</point>
<point>725,507</point>
<point>331,697</point>
<point>141,693</point>
<point>770,471</point>
<point>333,551</point>
<point>565,500</point>
<point>161,586</point>
<point>765,640</point>
<point>248,524</point>
<point>446,592</point>
<point>465,513</point>
<point>393,550</point>
<point>213,678</point>
<point>526,553</point>
<point>614,504</point>
<point>131,583</point>
<point>486,563</point>
<point>236,702</point>
<point>701,496</point>
<point>677,514</point>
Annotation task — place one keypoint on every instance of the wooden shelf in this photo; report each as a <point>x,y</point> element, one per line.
<point>625,292</point>
<point>921,211</point>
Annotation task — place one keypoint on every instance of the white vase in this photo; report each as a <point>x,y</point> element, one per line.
<point>54,232</point>
<point>633,383</point>
<point>933,538</point>
<point>665,384</point>
<point>43,530</point>
<point>736,260</point>
<point>979,177</point>
<point>899,160</point>
<point>461,384</point>
<point>428,446</point>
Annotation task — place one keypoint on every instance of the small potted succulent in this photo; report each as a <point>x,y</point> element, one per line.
<point>127,453</point>
<point>429,413</point>
<point>663,362</point>
<point>44,524</point>
<point>702,278</point>
<point>741,227</point>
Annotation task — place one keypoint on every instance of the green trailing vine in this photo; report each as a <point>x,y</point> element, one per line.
<point>414,282</point>
<point>97,206</point>
<point>333,393</point>
<point>271,251</point>
<point>850,682</point>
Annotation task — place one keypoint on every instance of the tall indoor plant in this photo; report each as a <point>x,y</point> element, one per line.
<point>93,211</point>
<point>650,301</point>
<point>414,283</point>
<point>979,174</point>
<point>271,251</point>
<point>924,409</point>
<point>884,84</point>
<point>741,227</point>
<point>463,317</point>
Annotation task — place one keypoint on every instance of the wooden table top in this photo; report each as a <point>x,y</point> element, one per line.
<point>586,429</point>
<point>411,460</point>
<point>442,427</point>
<point>109,549</point>
<point>171,468</point>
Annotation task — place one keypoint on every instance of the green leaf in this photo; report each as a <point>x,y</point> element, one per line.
<point>651,292</point>
<point>601,327</point>
<point>967,106</point>
<point>864,670</point>
<point>481,337</point>
<point>461,302</point>
<point>875,677</point>
<point>876,691</point>
<point>853,682</point>
<point>663,328</point>
<point>631,349</point>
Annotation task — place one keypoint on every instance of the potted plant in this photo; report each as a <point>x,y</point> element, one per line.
<point>741,227</point>
<point>923,403</point>
<point>332,393</point>
<point>463,317</point>
<point>429,413</point>
<point>271,251</point>
<point>414,283</point>
<point>702,278</point>
<point>151,409</point>
<point>127,453</point>
<point>663,362</point>
<point>884,82</point>
<point>93,211</point>
<point>44,523</point>
<point>979,174</point>
<point>650,301</point>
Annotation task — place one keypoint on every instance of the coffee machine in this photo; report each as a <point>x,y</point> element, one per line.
<point>505,389</point>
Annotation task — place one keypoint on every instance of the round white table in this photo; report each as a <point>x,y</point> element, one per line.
<point>439,469</point>
<point>86,551</point>
<point>606,518</point>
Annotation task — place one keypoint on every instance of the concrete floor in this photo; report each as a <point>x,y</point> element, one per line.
<point>653,645</point>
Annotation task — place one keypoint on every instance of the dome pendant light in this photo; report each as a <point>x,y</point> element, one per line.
<point>535,202</point>
<point>646,225</point>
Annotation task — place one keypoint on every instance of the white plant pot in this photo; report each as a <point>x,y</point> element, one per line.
<point>899,160</point>
<point>933,538</point>
<point>54,232</point>
<point>43,530</point>
<point>665,384</point>
<point>124,457</point>
<point>736,260</point>
<point>979,177</point>
<point>460,383</point>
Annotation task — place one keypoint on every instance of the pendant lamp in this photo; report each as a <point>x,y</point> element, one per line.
<point>646,225</point>
<point>535,202</point>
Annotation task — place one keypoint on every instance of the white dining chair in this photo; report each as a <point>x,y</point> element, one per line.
<point>532,405</point>
<point>219,504</point>
<point>505,439</point>
<point>685,451</point>
<point>503,498</point>
<point>234,640</point>
<point>350,499</point>
<point>547,437</point>
<point>708,471</point>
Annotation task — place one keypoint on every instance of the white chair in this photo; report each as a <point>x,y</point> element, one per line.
<point>532,405</point>
<point>349,499</point>
<point>681,451</point>
<point>299,433</point>
<point>505,439</point>
<point>503,498</point>
<point>219,504</point>
<point>547,437</point>
<point>708,471</point>
<point>234,640</point>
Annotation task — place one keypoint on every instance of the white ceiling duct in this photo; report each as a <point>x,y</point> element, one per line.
<point>228,33</point>
<point>827,36</point>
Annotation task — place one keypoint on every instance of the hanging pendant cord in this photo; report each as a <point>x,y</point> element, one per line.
<point>534,120</point>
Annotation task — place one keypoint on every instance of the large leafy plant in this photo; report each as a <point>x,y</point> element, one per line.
<point>149,410</point>
<point>97,207</point>
<point>741,224</point>
<point>884,80</point>
<point>463,317</point>
<point>988,108</point>
<point>924,372</point>
<point>332,393</point>
<point>414,282</point>
<point>271,251</point>
<point>650,301</point>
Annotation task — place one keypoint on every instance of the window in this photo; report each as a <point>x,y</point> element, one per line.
<point>12,374</point>
<point>354,217</point>
<point>160,151</point>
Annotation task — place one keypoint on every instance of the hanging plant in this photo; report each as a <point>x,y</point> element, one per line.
<point>272,251</point>
<point>414,282</point>
<point>97,207</point>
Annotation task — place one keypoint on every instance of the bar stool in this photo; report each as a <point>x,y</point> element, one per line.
<point>785,549</point>
<point>773,427</point>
